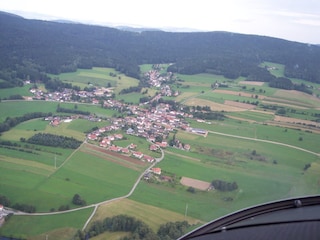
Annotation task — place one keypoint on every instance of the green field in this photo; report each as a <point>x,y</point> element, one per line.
<point>60,226</point>
<point>84,77</point>
<point>254,116</point>
<point>87,175</point>
<point>100,77</point>
<point>19,108</point>
<point>23,91</point>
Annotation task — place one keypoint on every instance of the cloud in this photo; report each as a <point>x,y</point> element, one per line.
<point>309,22</point>
<point>299,17</point>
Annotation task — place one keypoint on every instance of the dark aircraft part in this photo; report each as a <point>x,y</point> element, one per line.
<point>297,218</point>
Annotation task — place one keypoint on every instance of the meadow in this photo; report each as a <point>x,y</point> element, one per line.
<point>99,77</point>
<point>22,91</point>
<point>264,171</point>
<point>60,226</point>
<point>88,175</point>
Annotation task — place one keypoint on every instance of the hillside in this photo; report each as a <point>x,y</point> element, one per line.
<point>32,48</point>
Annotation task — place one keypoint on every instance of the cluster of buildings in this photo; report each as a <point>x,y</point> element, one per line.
<point>156,79</point>
<point>71,95</point>
<point>154,125</point>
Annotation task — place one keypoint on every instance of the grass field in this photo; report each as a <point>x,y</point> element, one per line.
<point>262,131</point>
<point>142,212</point>
<point>19,108</point>
<point>100,77</point>
<point>84,77</point>
<point>258,181</point>
<point>252,115</point>
<point>61,226</point>
<point>87,175</point>
<point>23,91</point>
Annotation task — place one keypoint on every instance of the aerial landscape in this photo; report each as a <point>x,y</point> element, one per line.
<point>110,133</point>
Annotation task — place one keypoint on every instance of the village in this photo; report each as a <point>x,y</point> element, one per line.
<point>153,124</point>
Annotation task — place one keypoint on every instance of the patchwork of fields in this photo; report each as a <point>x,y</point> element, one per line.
<point>269,156</point>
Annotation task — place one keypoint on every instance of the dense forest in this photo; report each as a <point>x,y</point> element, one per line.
<point>29,49</point>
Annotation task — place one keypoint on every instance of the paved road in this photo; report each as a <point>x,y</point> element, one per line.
<point>266,141</point>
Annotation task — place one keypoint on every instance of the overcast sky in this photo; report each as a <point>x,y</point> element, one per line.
<point>297,20</point>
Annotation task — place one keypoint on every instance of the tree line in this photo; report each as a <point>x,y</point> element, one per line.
<point>224,186</point>
<point>11,122</point>
<point>52,140</point>
<point>18,206</point>
<point>137,229</point>
<point>72,111</point>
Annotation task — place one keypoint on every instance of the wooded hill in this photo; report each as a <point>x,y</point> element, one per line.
<point>32,48</point>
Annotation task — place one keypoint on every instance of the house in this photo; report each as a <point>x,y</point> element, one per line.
<point>162,144</point>
<point>137,154</point>
<point>118,136</point>
<point>153,147</point>
<point>93,136</point>
<point>115,148</point>
<point>156,170</point>
<point>125,150</point>
<point>148,158</point>
<point>130,131</point>
<point>105,142</point>
<point>132,146</point>
<point>187,147</point>
<point>55,122</point>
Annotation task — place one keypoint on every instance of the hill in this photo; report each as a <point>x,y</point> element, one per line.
<point>32,48</point>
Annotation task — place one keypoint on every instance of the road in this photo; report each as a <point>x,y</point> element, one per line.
<point>265,141</point>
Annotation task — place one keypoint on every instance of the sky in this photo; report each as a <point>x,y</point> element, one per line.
<point>295,20</point>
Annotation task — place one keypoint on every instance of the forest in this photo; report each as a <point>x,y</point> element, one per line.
<point>30,49</point>
<point>48,139</point>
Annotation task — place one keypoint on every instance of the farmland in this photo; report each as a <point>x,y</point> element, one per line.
<point>269,156</point>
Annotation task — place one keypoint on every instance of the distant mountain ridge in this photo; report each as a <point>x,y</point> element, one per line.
<point>31,48</point>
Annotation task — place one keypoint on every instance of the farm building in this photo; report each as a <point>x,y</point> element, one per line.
<point>156,171</point>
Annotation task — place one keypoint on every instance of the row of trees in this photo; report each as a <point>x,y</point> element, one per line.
<point>209,115</point>
<point>224,186</point>
<point>52,140</point>
<point>72,111</point>
<point>18,206</point>
<point>137,228</point>
<point>13,121</point>
<point>286,83</point>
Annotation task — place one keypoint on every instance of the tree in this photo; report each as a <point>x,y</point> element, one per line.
<point>191,189</point>
<point>76,200</point>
